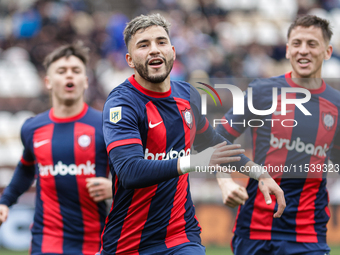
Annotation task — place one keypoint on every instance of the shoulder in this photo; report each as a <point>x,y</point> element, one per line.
<point>94,112</point>
<point>268,83</point>
<point>331,94</point>
<point>37,121</point>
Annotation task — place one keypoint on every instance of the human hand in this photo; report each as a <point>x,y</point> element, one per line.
<point>268,187</point>
<point>3,213</point>
<point>232,194</point>
<point>99,188</point>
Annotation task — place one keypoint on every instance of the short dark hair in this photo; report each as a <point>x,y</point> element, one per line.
<point>143,22</point>
<point>312,20</point>
<point>76,49</point>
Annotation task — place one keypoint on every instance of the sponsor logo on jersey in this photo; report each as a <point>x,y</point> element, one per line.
<point>187,116</point>
<point>115,114</point>
<point>72,169</point>
<point>41,143</point>
<point>328,120</point>
<point>162,156</point>
<point>154,125</point>
<point>84,141</point>
<point>299,146</point>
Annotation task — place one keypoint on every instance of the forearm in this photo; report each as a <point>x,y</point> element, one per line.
<point>134,171</point>
<point>21,181</point>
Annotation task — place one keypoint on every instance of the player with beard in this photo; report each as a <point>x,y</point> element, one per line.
<point>149,125</point>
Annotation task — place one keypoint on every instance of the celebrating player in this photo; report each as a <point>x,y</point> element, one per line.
<point>307,145</point>
<point>150,124</point>
<point>65,149</point>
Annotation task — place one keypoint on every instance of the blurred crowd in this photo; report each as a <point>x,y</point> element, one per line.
<point>213,38</point>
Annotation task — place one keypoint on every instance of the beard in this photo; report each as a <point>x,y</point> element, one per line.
<point>143,71</point>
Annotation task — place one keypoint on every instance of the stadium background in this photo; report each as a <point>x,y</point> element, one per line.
<point>213,38</point>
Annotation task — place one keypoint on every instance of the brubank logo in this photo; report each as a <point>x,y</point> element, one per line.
<point>72,169</point>
<point>238,104</point>
<point>299,146</point>
<point>162,156</point>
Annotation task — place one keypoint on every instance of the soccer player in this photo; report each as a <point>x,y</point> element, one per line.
<point>64,148</point>
<point>305,145</point>
<point>150,124</point>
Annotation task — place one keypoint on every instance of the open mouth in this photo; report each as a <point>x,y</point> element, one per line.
<point>303,61</point>
<point>156,62</point>
<point>69,86</point>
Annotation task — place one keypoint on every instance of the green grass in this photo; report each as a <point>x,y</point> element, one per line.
<point>211,250</point>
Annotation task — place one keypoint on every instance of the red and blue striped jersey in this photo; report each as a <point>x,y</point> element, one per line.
<point>300,148</point>
<point>145,132</point>
<point>62,153</point>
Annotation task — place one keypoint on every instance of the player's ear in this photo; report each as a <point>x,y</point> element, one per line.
<point>329,52</point>
<point>129,60</point>
<point>47,82</point>
<point>173,49</point>
<point>287,51</point>
<point>86,86</point>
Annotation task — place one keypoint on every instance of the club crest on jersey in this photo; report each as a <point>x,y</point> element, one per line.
<point>115,114</point>
<point>84,141</point>
<point>328,120</point>
<point>187,116</point>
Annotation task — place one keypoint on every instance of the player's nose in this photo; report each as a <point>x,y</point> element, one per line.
<point>303,49</point>
<point>154,49</point>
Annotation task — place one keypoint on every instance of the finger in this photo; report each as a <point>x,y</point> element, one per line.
<point>235,200</point>
<point>241,193</point>
<point>230,147</point>
<point>228,153</point>
<point>220,144</point>
<point>3,217</point>
<point>227,160</point>
<point>281,204</point>
<point>266,195</point>
<point>232,204</point>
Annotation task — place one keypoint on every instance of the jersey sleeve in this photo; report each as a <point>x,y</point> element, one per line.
<point>120,121</point>
<point>124,145</point>
<point>23,175</point>
<point>232,126</point>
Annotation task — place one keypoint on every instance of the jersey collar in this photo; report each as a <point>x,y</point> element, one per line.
<point>289,80</point>
<point>147,92</point>
<point>68,119</point>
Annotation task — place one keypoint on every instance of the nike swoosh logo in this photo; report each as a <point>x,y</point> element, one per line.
<point>279,112</point>
<point>41,143</point>
<point>154,125</point>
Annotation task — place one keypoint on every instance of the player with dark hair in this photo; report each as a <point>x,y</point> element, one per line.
<point>150,124</point>
<point>305,145</point>
<point>65,149</point>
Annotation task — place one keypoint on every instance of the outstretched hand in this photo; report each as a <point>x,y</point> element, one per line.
<point>224,153</point>
<point>99,188</point>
